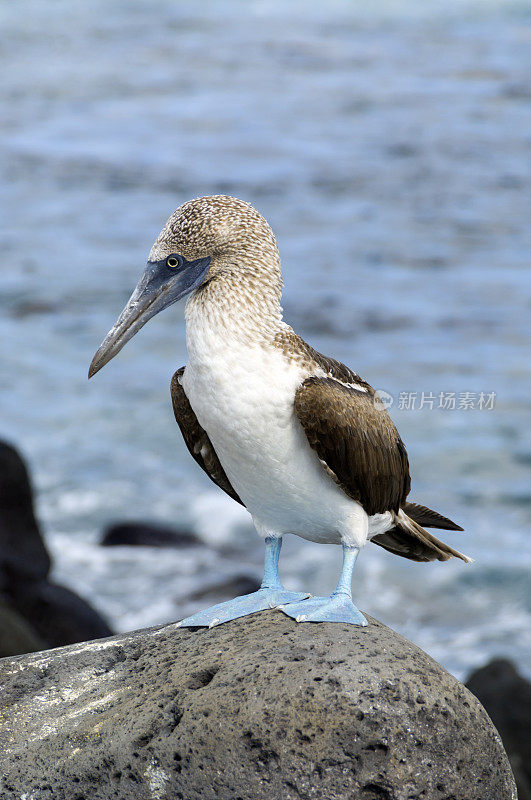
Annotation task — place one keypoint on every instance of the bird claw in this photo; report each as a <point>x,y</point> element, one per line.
<point>214,623</point>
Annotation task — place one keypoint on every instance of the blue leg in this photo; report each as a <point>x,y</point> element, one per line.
<point>270,595</point>
<point>336,608</point>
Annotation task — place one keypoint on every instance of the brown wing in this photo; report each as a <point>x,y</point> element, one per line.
<point>357,442</point>
<point>361,449</point>
<point>196,438</point>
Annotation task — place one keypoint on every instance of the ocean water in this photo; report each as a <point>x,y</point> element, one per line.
<point>388,144</point>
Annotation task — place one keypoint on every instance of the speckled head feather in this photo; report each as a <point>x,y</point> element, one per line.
<point>228,230</point>
<point>243,285</point>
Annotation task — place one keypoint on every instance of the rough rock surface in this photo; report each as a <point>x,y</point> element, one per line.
<point>261,708</point>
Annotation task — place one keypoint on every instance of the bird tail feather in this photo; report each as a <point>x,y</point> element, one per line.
<point>408,538</point>
<point>428,518</point>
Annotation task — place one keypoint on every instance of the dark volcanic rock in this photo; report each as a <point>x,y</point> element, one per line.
<point>57,614</point>
<point>16,635</point>
<point>506,696</point>
<point>36,612</point>
<point>149,534</point>
<point>261,708</point>
<point>232,587</point>
<point>22,551</point>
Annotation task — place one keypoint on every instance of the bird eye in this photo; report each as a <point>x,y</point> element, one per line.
<point>172,262</point>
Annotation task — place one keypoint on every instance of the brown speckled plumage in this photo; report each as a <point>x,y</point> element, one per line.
<point>293,346</point>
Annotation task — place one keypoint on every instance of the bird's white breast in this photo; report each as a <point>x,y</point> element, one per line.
<point>242,394</point>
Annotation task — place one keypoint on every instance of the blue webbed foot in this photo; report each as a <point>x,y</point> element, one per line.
<point>261,600</point>
<point>336,608</point>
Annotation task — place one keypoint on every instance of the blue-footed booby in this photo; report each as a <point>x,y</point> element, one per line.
<point>296,437</point>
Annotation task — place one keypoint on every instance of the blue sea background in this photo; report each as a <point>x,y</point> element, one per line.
<point>389,145</point>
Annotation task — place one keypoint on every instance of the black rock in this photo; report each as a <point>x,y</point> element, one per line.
<point>149,534</point>
<point>232,587</point>
<point>44,614</point>
<point>261,708</point>
<point>22,550</point>
<point>16,634</point>
<point>57,614</point>
<point>506,696</point>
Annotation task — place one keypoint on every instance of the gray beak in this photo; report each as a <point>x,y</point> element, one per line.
<point>159,287</point>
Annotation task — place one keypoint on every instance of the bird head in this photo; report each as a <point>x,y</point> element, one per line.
<point>200,241</point>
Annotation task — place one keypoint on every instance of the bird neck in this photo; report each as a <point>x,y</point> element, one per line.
<point>239,306</point>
